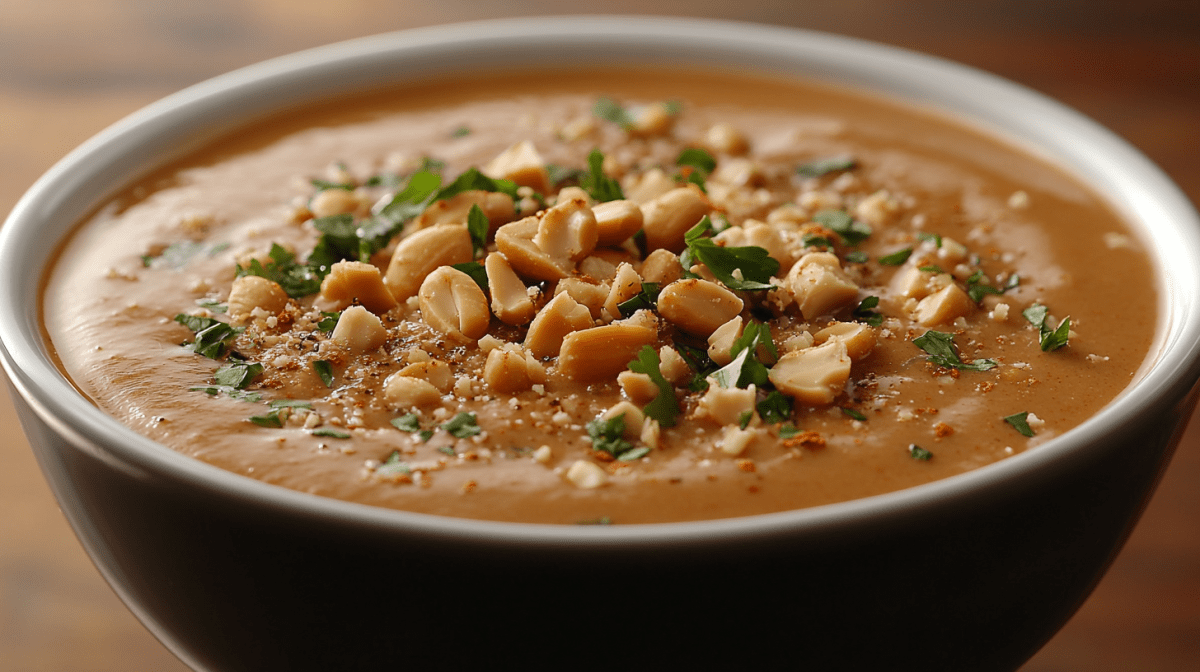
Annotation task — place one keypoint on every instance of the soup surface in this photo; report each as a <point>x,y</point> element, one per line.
<point>610,296</point>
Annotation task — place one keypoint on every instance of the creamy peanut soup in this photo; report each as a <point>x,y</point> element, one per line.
<point>603,296</point>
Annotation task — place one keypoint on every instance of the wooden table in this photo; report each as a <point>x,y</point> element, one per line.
<point>70,68</point>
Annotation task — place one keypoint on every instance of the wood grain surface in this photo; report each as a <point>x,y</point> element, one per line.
<point>68,68</point>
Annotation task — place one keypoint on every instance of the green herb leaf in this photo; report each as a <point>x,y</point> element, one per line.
<point>393,465</point>
<point>328,322</point>
<point>477,226</point>
<point>896,258</point>
<point>936,238</point>
<point>291,403</point>
<point>940,347</point>
<point>776,407</point>
<point>821,167</point>
<point>814,240</point>
<point>865,312</point>
<point>322,185</point>
<point>324,370</point>
<point>858,257</point>
<point>230,391</point>
<point>634,454</point>
<point>609,110</point>
<point>410,422</point>
<point>462,426</point>
<point>296,279</point>
<point>461,131</point>
<point>1020,422</point>
<point>647,299</point>
<point>213,305</point>
<point>477,272</point>
<point>753,264</point>
<point>212,336</point>
<point>919,453</point>
<point>330,432</point>
<point>600,186</point>
<point>665,407</point>
<point>1051,339</point>
<point>840,222</point>
<point>274,418</point>
<point>473,180</point>
<point>237,375</point>
<point>608,435</point>
<point>746,369</point>
<point>789,431</point>
<point>854,414</point>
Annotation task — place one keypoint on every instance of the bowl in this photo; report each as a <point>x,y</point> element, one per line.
<point>973,572</point>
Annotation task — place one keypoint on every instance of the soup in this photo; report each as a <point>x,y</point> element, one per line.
<point>603,297</point>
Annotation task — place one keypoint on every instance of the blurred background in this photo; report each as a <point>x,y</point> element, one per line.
<point>69,68</point>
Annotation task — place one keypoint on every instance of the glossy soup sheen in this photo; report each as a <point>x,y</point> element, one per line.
<point>111,300</point>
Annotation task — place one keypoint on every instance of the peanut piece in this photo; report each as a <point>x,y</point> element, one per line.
<point>250,292</point>
<point>510,299</point>
<point>637,386</point>
<point>351,281</point>
<point>509,370</point>
<point>435,372</point>
<point>567,231</point>
<point>815,375</point>
<point>600,353</point>
<point>943,306</point>
<point>634,418</point>
<point>666,218</point>
<point>698,306</point>
<point>726,139</point>
<point>585,294</point>
<point>673,366</point>
<point>522,164</point>
<point>818,284</point>
<point>586,475</point>
<point>661,267</point>
<point>359,331</point>
<point>726,406</point>
<point>333,202</point>
<point>859,338</point>
<point>616,221</point>
<point>720,342</point>
<point>407,392</point>
<point>453,304</point>
<point>625,286</point>
<point>420,253</point>
<point>561,316</point>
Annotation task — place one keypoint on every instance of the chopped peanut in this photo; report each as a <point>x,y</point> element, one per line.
<point>250,292</point>
<point>815,375</point>
<point>420,253</point>
<point>355,282</point>
<point>561,316</point>
<point>453,304</point>
<point>359,330</point>
<point>698,306</point>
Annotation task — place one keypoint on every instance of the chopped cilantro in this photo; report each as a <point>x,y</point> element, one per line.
<point>931,268</point>
<point>274,418</point>
<point>935,238</point>
<point>561,174</point>
<point>854,414</point>
<point>919,453</point>
<point>393,465</point>
<point>460,132</point>
<point>697,165</point>
<point>296,279</point>
<point>978,287</point>
<point>840,222</point>
<point>1051,339</point>
<point>634,454</point>
<point>789,431</point>
<point>814,240</point>
<point>410,422</point>
<point>825,166</point>
<point>473,180</point>
<point>609,110</point>
<point>896,258</point>
<point>322,185</point>
<point>477,272</point>
<point>1020,422</point>
<point>858,257</point>
<point>331,432</point>
<point>212,336</point>
<point>324,370</point>
<point>213,305</point>
<point>776,407</point>
<point>447,450</point>
<point>746,369</point>
<point>608,435</point>
<point>940,347</point>
<point>462,426</point>
<point>477,226</point>
<point>600,186</point>
<point>665,407</point>
<point>865,311</point>
<point>291,403</point>
<point>328,322</point>
<point>745,418</point>
<point>238,374</point>
<point>647,299</point>
<point>754,264</point>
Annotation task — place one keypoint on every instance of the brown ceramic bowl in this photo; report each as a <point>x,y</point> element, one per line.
<point>972,572</point>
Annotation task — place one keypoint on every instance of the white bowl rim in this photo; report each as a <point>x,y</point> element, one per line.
<point>1138,189</point>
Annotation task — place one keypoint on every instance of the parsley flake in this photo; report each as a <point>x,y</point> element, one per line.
<point>896,258</point>
<point>754,264</point>
<point>776,407</point>
<point>840,222</point>
<point>238,374</point>
<point>1051,339</point>
<point>647,299</point>
<point>745,369</point>
<point>865,311</point>
<point>1020,422</point>
<point>407,423</point>
<point>665,407</point>
<point>331,433</point>
<point>821,167</point>
<point>213,337</point>
<point>473,180</point>
<point>462,426</point>
<point>608,435</point>
<point>940,347</point>
<point>477,226</point>
<point>477,272</point>
<point>854,414</point>
<point>324,370</point>
<point>919,453</point>
<point>598,185</point>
